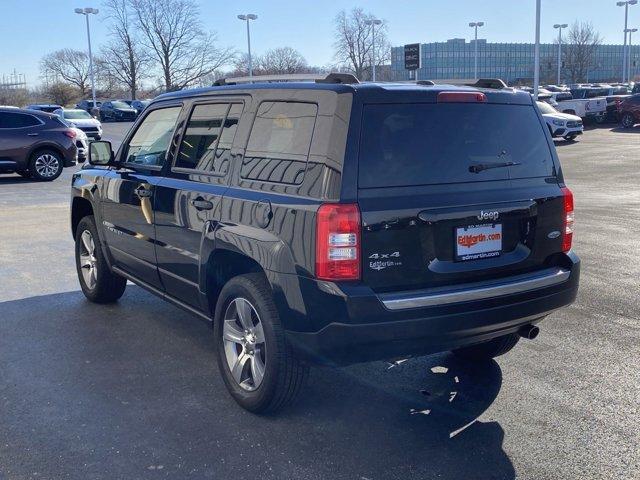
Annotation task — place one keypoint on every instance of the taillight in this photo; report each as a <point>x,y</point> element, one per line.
<point>567,232</point>
<point>461,97</point>
<point>338,242</point>
<point>69,133</point>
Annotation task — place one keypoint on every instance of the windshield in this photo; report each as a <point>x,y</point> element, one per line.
<point>119,105</point>
<point>76,114</point>
<point>546,108</point>
<point>422,144</point>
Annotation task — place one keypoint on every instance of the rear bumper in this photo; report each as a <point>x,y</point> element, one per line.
<point>361,328</point>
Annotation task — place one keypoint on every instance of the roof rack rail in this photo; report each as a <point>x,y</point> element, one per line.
<point>425,82</point>
<point>346,78</point>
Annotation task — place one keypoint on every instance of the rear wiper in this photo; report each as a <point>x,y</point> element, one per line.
<point>479,167</point>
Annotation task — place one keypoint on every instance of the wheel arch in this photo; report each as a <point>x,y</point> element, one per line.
<point>45,146</point>
<point>220,267</point>
<point>80,208</point>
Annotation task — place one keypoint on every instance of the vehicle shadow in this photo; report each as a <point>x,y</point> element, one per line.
<point>81,381</point>
<point>11,179</point>
<point>635,129</point>
<point>565,143</point>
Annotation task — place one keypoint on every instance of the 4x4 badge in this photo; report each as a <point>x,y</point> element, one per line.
<point>384,260</point>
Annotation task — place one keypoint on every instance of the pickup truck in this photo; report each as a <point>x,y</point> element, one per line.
<point>585,108</point>
<point>614,95</point>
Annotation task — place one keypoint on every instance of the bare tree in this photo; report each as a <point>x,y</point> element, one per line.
<point>122,58</point>
<point>354,40</point>
<point>283,60</point>
<point>579,51</point>
<point>61,93</point>
<point>172,30</point>
<point>17,97</point>
<point>71,66</point>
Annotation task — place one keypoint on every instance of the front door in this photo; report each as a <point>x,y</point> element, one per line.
<point>188,200</point>
<point>129,195</point>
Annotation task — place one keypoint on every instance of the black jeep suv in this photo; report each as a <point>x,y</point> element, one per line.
<point>333,223</point>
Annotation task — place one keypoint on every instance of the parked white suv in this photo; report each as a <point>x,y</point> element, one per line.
<point>83,120</point>
<point>562,125</point>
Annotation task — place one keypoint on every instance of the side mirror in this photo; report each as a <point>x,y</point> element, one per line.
<point>100,153</point>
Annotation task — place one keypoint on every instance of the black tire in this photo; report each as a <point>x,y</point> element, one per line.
<point>491,349</point>
<point>46,165</point>
<point>108,286</point>
<point>284,374</point>
<point>570,138</point>
<point>601,119</point>
<point>628,120</point>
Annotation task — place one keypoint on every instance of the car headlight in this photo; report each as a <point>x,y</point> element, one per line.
<point>559,123</point>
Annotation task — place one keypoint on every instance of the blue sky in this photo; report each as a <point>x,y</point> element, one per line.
<point>31,28</point>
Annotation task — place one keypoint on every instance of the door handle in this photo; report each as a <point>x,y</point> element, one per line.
<point>143,192</point>
<point>201,204</point>
<point>32,134</point>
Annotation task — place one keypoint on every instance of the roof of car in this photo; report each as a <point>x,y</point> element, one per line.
<point>367,91</point>
<point>28,111</point>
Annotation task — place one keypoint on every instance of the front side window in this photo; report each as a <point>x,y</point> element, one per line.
<point>208,138</point>
<point>150,143</point>
<point>279,142</point>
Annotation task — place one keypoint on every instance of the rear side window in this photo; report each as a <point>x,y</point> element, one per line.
<point>279,142</point>
<point>17,120</point>
<point>423,144</point>
<point>208,139</point>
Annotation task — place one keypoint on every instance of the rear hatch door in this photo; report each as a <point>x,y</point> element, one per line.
<point>455,192</point>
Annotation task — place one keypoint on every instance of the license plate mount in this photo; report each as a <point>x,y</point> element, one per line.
<point>475,242</point>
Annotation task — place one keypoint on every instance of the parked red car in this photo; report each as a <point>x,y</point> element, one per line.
<point>629,111</point>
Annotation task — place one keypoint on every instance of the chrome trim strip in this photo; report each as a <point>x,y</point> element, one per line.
<point>475,291</point>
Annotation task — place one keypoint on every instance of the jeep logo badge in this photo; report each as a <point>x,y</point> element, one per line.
<point>488,215</point>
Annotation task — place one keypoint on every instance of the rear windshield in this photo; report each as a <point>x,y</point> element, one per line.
<point>423,144</point>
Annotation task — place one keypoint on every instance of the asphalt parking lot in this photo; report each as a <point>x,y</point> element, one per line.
<point>131,390</point>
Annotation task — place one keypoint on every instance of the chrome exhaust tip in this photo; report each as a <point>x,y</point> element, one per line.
<point>529,332</point>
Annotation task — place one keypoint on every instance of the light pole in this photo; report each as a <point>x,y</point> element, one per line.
<point>247,18</point>
<point>475,54</point>
<point>373,22</point>
<point>536,54</point>
<point>629,31</point>
<point>560,26</point>
<point>625,4</point>
<point>86,12</point>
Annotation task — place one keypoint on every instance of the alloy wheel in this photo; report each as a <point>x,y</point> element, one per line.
<point>47,165</point>
<point>244,344</point>
<point>88,260</point>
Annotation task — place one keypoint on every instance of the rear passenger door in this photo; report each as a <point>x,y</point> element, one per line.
<point>189,197</point>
